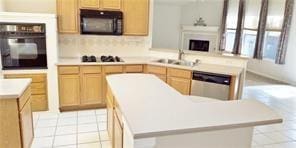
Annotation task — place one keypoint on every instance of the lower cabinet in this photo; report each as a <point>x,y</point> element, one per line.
<point>180,84</point>
<point>69,90</point>
<point>16,122</point>
<point>39,101</point>
<point>26,125</point>
<point>110,112</point>
<point>91,89</point>
<point>80,87</point>
<point>118,133</point>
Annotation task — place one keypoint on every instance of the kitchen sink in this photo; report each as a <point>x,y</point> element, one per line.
<point>177,62</point>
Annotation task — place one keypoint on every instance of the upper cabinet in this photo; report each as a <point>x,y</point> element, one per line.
<point>89,4</point>
<point>111,4</point>
<point>67,11</point>
<point>136,17</point>
<point>135,13</point>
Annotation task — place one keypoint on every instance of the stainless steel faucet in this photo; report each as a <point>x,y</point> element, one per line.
<point>181,54</point>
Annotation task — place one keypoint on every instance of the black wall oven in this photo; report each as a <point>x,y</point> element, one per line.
<point>23,46</point>
<point>101,22</point>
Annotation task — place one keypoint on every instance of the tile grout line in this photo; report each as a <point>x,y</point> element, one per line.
<point>98,128</point>
<point>54,135</point>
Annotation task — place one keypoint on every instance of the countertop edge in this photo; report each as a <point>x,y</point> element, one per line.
<point>16,96</point>
<point>205,129</point>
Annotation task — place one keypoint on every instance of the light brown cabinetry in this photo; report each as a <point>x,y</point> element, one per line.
<point>80,87</point>
<point>69,90</point>
<point>133,69</point>
<point>118,132</point>
<point>16,126</point>
<point>107,70</point>
<point>111,4</point>
<point>91,86</point>
<point>159,71</point>
<point>39,101</point>
<point>89,4</point>
<point>67,11</point>
<point>136,17</point>
<point>180,80</point>
<point>110,112</point>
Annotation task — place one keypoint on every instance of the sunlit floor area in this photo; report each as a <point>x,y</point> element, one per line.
<point>281,98</point>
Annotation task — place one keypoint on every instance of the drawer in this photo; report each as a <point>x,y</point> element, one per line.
<point>91,69</point>
<point>113,69</point>
<point>133,68</point>
<point>35,77</point>
<point>180,73</point>
<point>68,70</point>
<point>156,70</point>
<point>24,98</point>
<point>39,103</point>
<point>38,88</point>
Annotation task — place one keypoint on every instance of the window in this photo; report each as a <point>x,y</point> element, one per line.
<point>231,24</point>
<point>276,10</point>
<point>250,27</point>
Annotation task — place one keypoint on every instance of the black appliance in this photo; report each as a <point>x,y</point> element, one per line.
<point>199,45</point>
<point>23,46</point>
<point>101,22</point>
<point>92,58</point>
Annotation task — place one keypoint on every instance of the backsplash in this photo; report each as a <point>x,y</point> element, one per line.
<point>79,45</point>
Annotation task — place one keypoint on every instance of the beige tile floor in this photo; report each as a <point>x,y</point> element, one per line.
<point>281,98</point>
<point>87,129</point>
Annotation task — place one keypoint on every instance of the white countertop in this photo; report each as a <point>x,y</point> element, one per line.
<point>13,88</point>
<point>211,68</point>
<point>152,108</point>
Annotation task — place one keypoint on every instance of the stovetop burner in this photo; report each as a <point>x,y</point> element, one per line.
<point>92,58</point>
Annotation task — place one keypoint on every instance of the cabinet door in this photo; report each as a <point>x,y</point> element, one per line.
<point>69,89</point>
<point>180,84</point>
<point>136,17</point>
<point>26,125</point>
<point>67,11</point>
<point>110,112</point>
<point>118,133</point>
<point>91,89</point>
<point>111,4</point>
<point>94,4</point>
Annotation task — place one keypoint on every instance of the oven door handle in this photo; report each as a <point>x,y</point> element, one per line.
<point>115,25</point>
<point>26,37</point>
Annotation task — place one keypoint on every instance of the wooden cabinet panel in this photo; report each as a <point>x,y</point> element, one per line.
<point>26,125</point>
<point>162,77</point>
<point>118,133</point>
<point>38,88</point>
<point>136,17</point>
<point>69,90</point>
<point>36,78</point>
<point>93,4</point>
<point>180,73</point>
<point>39,103</point>
<point>110,112</point>
<point>91,69</point>
<point>68,70</point>
<point>156,70</point>
<point>91,89</point>
<point>113,69</point>
<point>180,84</point>
<point>24,98</point>
<point>111,4</point>
<point>133,69</point>
<point>67,11</point>
<point>10,125</point>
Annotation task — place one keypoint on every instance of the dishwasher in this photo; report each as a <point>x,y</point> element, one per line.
<point>210,85</point>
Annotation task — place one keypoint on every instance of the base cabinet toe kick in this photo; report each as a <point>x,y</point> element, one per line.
<point>152,121</point>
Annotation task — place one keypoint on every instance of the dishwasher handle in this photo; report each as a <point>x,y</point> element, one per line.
<point>211,78</point>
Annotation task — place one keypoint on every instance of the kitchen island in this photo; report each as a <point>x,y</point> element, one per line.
<point>145,112</point>
<point>16,125</point>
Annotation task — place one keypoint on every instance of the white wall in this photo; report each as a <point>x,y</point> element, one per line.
<point>209,10</point>
<point>285,72</point>
<point>31,6</point>
<point>166,26</point>
<point>2,6</point>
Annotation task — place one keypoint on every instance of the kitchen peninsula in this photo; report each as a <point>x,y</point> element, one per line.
<point>16,125</point>
<point>174,120</point>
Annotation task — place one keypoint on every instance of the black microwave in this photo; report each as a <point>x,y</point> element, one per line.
<point>101,22</point>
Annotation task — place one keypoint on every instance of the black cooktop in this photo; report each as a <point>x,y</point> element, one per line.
<point>101,59</point>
